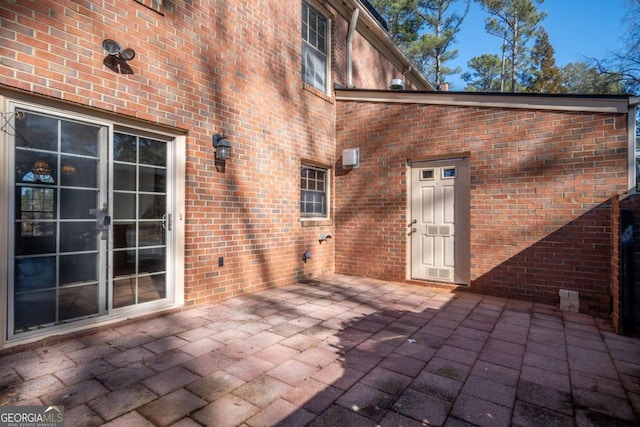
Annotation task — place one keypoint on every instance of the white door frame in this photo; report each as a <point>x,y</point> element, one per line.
<point>461,249</point>
<point>107,314</point>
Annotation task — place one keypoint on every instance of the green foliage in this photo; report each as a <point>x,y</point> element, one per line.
<point>583,78</point>
<point>402,20</point>
<point>433,49</point>
<point>425,30</point>
<point>514,22</point>
<point>544,76</point>
<point>484,75</point>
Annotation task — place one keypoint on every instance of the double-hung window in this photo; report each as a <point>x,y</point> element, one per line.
<point>315,47</point>
<point>313,192</point>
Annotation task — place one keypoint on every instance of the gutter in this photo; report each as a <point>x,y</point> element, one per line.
<point>352,29</point>
<point>587,103</point>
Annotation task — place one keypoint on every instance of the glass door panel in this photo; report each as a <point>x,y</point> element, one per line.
<point>140,220</point>
<point>89,221</point>
<point>57,252</point>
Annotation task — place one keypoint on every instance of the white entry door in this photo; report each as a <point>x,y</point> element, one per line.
<point>439,227</point>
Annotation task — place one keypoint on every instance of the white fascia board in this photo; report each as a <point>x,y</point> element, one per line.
<point>593,104</point>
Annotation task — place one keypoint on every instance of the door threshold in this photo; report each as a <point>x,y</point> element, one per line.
<point>439,285</point>
<point>50,337</point>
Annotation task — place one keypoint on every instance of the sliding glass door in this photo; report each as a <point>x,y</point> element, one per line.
<point>89,220</point>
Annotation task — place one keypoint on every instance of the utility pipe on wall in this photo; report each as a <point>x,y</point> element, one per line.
<point>352,29</point>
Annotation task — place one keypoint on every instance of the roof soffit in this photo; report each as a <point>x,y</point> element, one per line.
<point>598,104</point>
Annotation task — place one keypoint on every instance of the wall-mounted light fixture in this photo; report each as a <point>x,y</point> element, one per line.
<point>117,57</point>
<point>397,84</point>
<point>324,237</point>
<point>222,146</point>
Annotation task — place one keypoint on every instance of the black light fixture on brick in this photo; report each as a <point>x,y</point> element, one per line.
<point>117,57</point>
<point>222,146</point>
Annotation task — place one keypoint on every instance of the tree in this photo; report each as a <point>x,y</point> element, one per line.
<point>624,65</point>
<point>515,22</point>
<point>425,30</point>
<point>544,76</point>
<point>484,75</point>
<point>583,78</point>
<point>402,20</point>
<point>433,48</point>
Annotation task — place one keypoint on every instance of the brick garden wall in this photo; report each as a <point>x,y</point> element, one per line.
<point>203,66</point>
<point>540,188</point>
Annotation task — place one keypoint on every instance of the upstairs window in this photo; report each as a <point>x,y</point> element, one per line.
<point>313,192</point>
<point>315,47</point>
<point>155,5</point>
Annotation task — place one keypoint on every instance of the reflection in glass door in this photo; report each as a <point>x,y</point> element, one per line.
<point>58,254</point>
<point>89,221</point>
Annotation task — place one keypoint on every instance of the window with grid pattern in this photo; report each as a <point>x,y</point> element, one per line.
<point>314,47</point>
<point>313,192</point>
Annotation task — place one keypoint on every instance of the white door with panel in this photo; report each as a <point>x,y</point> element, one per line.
<point>439,227</point>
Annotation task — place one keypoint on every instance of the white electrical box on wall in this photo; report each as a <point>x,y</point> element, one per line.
<point>351,158</point>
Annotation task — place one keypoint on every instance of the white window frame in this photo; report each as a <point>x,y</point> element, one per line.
<point>311,53</point>
<point>327,195</point>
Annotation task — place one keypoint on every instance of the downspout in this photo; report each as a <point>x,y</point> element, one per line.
<point>352,29</point>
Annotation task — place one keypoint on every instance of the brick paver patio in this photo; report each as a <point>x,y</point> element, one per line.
<point>343,351</point>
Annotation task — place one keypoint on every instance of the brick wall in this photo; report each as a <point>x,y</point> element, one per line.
<point>540,188</point>
<point>204,66</point>
<point>370,69</point>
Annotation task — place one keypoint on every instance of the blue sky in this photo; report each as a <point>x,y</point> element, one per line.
<point>576,28</point>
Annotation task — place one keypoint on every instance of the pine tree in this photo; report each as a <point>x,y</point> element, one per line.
<point>545,76</point>
<point>484,75</point>
<point>515,22</point>
<point>433,49</point>
<point>402,20</point>
<point>425,30</point>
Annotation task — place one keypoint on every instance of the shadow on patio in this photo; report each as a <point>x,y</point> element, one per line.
<point>340,351</point>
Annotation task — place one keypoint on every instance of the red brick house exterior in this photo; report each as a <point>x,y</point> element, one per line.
<point>201,68</point>
<point>115,205</point>
<point>541,183</point>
